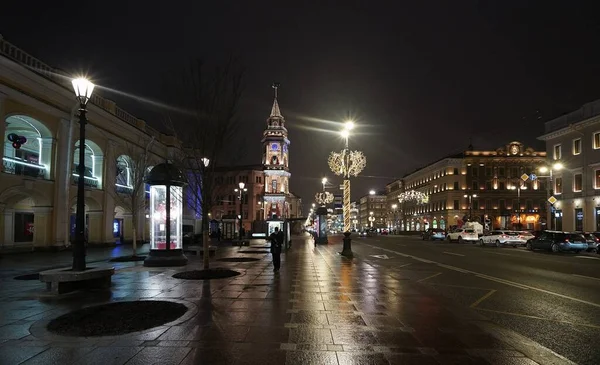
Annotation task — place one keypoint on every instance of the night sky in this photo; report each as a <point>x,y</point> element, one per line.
<point>421,78</point>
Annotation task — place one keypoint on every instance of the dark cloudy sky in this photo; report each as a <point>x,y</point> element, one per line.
<point>421,77</point>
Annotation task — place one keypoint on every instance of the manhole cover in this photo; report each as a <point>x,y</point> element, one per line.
<point>256,251</point>
<point>128,259</point>
<point>35,276</point>
<point>238,259</point>
<point>208,274</point>
<point>116,318</point>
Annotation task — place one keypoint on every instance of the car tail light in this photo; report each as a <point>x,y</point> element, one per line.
<point>567,240</point>
<point>504,236</point>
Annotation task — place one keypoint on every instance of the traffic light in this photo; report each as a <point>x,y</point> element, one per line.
<point>17,140</point>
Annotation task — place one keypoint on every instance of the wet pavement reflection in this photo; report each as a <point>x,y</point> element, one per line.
<point>320,308</point>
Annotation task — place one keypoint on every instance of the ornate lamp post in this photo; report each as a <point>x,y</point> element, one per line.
<point>241,192</point>
<point>557,166</point>
<point>83,90</point>
<point>323,199</point>
<point>347,163</point>
<point>395,209</point>
<point>470,197</point>
<point>371,219</point>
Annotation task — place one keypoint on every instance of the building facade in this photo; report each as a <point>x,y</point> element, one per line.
<point>495,188</point>
<point>38,179</point>
<point>373,211</point>
<point>226,199</point>
<point>392,191</point>
<point>573,140</point>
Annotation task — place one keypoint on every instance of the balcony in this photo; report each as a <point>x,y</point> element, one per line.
<point>18,166</point>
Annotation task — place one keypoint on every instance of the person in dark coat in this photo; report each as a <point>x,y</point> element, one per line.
<point>276,239</point>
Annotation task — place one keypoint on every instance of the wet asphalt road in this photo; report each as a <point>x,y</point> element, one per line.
<point>553,299</point>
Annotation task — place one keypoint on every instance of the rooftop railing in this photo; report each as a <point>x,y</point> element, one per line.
<point>62,78</point>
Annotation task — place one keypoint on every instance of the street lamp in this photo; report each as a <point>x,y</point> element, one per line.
<point>324,182</point>
<point>205,225</point>
<point>371,219</point>
<point>83,90</point>
<point>240,192</point>
<point>470,196</point>
<point>556,166</point>
<point>394,209</point>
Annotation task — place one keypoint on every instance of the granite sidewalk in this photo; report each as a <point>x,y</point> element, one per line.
<point>320,308</point>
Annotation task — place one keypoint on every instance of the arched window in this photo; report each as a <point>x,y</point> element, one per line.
<point>123,180</point>
<point>93,161</point>
<point>34,157</point>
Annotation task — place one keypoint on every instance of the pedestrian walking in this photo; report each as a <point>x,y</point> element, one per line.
<point>276,239</point>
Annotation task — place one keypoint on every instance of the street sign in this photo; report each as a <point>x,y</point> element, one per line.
<point>552,200</point>
<point>533,177</point>
<point>524,177</point>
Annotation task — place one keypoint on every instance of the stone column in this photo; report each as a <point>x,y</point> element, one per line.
<point>42,223</point>
<point>108,182</point>
<point>62,171</point>
<point>2,124</point>
<point>9,236</point>
<point>95,232</point>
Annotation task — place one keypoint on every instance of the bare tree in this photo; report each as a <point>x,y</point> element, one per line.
<point>211,96</point>
<point>129,189</point>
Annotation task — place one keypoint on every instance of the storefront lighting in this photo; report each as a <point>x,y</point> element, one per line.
<point>19,162</point>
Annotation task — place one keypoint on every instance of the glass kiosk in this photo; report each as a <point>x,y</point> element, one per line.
<point>166,209</point>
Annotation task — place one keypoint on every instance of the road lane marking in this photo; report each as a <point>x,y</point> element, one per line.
<point>587,277</point>
<point>498,253</point>
<point>588,257</point>
<point>502,281</point>
<point>507,282</point>
<point>478,301</point>
<point>420,259</point>
<point>452,253</point>
<point>454,268</point>
<point>403,265</point>
<point>429,277</point>
<point>536,317</point>
<point>383,257</point>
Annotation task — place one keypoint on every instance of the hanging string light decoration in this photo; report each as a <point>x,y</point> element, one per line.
<point>324,198</point>
<point>413,196</point>
<point>347,163</point>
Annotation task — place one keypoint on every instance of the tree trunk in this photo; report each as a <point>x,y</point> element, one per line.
<point>134,231</point>
<point>205,245</point>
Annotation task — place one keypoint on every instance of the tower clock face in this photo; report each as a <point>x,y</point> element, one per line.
<point>274,146</point>
<point>514,149</point>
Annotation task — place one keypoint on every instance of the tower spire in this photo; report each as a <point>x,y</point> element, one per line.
<point>275,112</point>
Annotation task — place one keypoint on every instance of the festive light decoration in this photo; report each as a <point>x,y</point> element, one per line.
<point>347,163</point>
<point>324,198</point>
<point>413,195</point>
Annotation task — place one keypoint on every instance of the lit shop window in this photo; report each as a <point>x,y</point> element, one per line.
<point>93,161</point>
<point>32,158</point>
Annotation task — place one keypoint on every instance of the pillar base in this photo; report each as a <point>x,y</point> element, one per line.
<point>165,258</point>
<point>347,250</point>
<point>321,240</point>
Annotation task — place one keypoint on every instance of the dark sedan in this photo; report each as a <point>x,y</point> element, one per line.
<point>558,241</point>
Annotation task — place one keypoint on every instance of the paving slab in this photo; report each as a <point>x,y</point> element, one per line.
<point>320,308</point>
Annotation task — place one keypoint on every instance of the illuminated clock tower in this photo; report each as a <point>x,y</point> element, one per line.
<point>275,144</point>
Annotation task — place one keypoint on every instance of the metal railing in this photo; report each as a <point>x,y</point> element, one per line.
<point>62,78</point>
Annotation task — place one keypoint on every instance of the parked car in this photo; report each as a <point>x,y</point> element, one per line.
<point>463,235</point>
<point>592,241</point>
<point>433,234</point>
<point>558,241</point>
<point>503,238</point>
<point>527,235</point>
